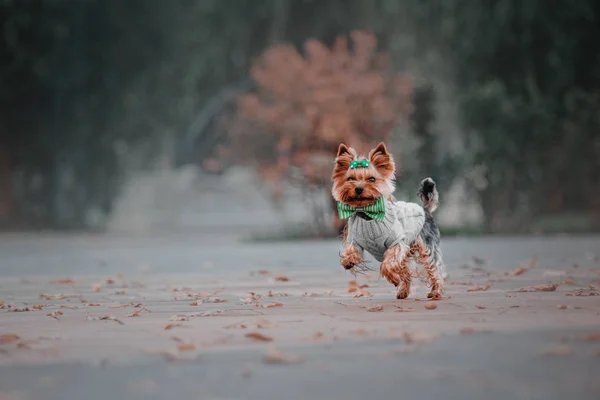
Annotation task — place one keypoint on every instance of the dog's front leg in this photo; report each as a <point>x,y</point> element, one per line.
<point>396,269</point>
<point>351,257</point>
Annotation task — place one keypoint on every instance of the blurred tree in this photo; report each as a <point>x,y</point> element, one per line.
<point>304,107</point>
<point>527,87</point>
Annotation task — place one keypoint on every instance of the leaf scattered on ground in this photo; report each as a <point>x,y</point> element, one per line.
<point>258,337</point>
<point>168,327</point>
<point>419,337</point>
<point>430,305</point>
<point>594,337</point>
<point>59,296</point>
<point>254,298</point>
<point>471,331</point>
<point>237,325</point>
<point>55,314</point>
<point>65,281</point>
<point>481,307</point>
<point>214,300</point>
<point>312,294</point>
<point>583,293</point>
<point>186,347</point>
<point>270,305</point>
<point>271,294</point>
<point>8,338</point>
<point>281,279</point>
<point>540,288</point>
<point>376,308</point>
<point>562,306</point>
<point>104,318</point>
<point>275,356</point>
<point>479,288</point>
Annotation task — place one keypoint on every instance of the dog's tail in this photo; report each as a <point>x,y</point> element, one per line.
<point>429,195</point>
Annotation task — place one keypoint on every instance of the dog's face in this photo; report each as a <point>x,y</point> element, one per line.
<point>361,182</point>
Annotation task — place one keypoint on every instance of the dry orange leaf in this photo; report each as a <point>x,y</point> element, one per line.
<point>430,305</point>
<point>186,347</point>
<point>282,279</point>
<point>540,288</point>
<point>594,337</point>
<point>55,314</point>
<point>481,307</point>
<point>96,288</point>
<point>275,356</point>
<point>259,337</point>
<point>9,338</point>
<point>376,308</point>
<point>479,288</point>
<point>66,281</point>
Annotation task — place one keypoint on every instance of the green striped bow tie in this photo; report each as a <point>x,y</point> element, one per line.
<point>375,210</point>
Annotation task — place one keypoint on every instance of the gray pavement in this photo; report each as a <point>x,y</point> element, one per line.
<point>504,342</point>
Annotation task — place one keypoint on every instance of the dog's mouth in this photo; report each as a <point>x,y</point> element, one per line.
<point>359,201</point>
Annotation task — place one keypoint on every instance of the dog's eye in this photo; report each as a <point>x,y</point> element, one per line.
<point>350,178</point>
<point>371,179</point>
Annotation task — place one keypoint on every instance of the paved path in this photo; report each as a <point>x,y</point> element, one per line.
<point>171,316</point>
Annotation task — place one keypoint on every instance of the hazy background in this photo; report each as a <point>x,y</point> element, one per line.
<point>151,115</point>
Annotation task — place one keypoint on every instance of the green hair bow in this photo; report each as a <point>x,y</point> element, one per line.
<point>359,163</point>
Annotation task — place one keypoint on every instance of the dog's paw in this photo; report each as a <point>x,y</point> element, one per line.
<point>434,295</point>
<point>351,257</point>
<point>403,292</point>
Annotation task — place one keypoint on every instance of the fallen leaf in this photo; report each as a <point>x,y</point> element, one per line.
<point>562,306</point>
<point>236,326</point>
<point>594,337</point>
<point>275,356</point>
<point>362,293</point>
<point>361,332</point>
<point>55,314</point>
<point>519,271</point>
<point>66,281</point>
<point>540,288</point>
<point>215,300</point>
<point>254,298</point>
<point>569,281</point>
<point>96,288</point>
<point>271,294</point>
<point>258,336</point>
<point>168,327</point>
<point>136,313</point>
<point>104,318</point>
<point>94,305</point>
<point>481,307</point>
<point>186,347</point>
<point>38,307</point>
<point>271,305</point>
<point>196,303</point>
<point>119,305</point>
<point>9,338</point>
<point>557,351</point>
<point>430,305</point>
<point>109,281</point>
<point>281,279</point>
<point>479,288</point>
<point>376,308</point>
<point>418,337</point>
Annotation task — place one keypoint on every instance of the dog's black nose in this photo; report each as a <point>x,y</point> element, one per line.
<point>358,190</point>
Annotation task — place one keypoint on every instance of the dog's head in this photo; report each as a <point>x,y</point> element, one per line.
<point>359,181</point>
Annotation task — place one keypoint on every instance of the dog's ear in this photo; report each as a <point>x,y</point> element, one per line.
<point>382,161</point>
<point>343,149</point>
<point>344,157</point>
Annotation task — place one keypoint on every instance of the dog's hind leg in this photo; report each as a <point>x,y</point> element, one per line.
<point>430,257</point>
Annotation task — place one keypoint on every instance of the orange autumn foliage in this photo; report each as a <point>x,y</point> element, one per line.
<point>304,106</point>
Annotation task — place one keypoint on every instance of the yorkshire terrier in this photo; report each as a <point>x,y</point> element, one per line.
<point>393,232</point>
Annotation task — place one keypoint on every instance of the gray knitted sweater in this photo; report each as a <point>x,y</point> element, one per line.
<point>402,223</point>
